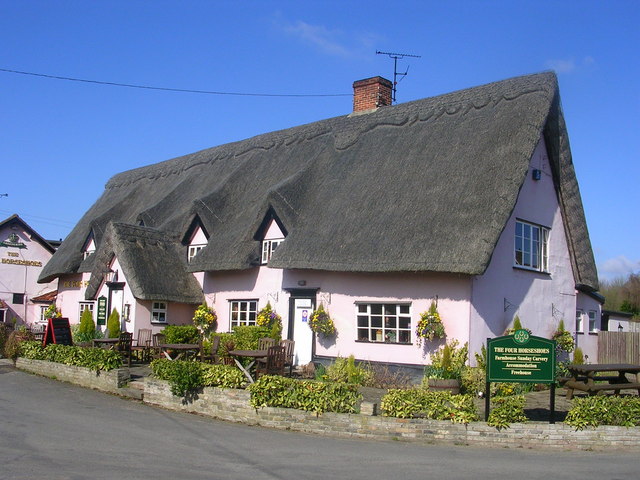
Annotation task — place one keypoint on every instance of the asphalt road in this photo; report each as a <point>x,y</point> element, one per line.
<point>53,430</point>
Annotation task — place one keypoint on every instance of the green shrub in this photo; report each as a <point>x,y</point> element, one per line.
<point>93,358</point>
<point>243,338</point>
<point>507,410</point>
<point>599,410</point>
<point>181,334</point>
<point>113,324</point>
<point>578,356</point>
<point>185,376</point>
<point>4,335</point>
<point>473,380</point>
<point>87,328</point>
<point>346,370</point>
<point>16,337</point>
<point>422,403</point>
<point>308,395</point>
<point>448,361</point>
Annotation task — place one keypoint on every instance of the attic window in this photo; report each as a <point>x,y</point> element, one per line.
<point>268,247</point>
<point>197,242</point>
<point>273,237</point>
<point>89,247</point>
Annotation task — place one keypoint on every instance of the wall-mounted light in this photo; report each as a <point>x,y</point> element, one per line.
<point>302,283</point>
<point>620,328</point>
<point>126,311</point>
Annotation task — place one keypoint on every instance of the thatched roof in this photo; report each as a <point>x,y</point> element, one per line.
<point>422,186</point>
<point>151,262</point>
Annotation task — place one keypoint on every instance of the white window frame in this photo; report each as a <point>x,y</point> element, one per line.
<point>268,247</point>
<point>531,247</point>
<point>243,312</point>
<point>383,322</point>
<point>3,315</point>
<point>82,306</point>
<point>158,311</point>
<point>193,251</point>
<point>593,316</point>
<point>579,322</point>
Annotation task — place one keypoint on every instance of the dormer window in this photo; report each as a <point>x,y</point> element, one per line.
<point>89,247</point>
<point>268,247</point>
<point>197,242</point>
<point>193,251</point>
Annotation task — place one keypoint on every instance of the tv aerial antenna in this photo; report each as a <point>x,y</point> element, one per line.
<point>396,74</point>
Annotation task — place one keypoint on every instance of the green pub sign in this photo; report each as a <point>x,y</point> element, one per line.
<point>102,311</point>
<point>521,357</point>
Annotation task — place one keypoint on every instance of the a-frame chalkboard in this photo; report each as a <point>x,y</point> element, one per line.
<point>58,331</point>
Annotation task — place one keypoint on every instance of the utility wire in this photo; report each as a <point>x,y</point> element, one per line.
<point>181,90</point>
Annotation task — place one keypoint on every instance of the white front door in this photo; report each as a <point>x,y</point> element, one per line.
<point>302,334</point>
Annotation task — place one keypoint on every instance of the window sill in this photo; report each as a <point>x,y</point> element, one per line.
<point>159,323</point>
<point>383,343</point>
<point>532,270</point>
<point>593,333</point>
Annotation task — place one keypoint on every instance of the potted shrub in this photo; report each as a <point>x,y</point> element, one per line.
<point>446,368</point>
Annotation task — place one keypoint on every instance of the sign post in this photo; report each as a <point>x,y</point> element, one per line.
<point>101,318</point>
<point>521,358</point>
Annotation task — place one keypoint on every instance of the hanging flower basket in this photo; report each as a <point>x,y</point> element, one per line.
<point>430,326</point>
<point>321,323</point>
<point>267,317</point>
<point>205,318</point>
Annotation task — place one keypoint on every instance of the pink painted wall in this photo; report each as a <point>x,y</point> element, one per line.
<point>71,290</point>
<point>586,340</point>
<point>541,300</point>
<point>339,292</point>
<point>19,271</point>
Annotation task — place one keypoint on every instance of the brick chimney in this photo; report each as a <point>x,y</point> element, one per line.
<point>371,93</point>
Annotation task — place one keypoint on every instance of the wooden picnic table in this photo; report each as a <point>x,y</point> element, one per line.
<point>179,350</point>
<point>584,378</point>
<point>254,354</point>
<point>107,343</point>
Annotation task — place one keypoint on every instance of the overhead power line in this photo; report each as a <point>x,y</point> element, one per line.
<point>179,90</point>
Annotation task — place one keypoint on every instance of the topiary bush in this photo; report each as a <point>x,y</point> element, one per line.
<point>87,328</point>
<point>113,324</point>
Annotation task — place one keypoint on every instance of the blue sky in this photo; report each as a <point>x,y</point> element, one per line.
<point>61,141</point>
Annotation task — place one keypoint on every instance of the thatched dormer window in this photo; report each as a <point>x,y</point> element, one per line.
<point>197,238</point>
<point>273,237</point>
<point>89,246</point>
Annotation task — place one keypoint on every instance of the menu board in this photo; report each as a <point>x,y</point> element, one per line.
<point>58,331</point>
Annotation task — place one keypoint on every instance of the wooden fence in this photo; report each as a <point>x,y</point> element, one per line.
<point>619,347</point>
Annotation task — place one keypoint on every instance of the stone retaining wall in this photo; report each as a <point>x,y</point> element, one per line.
<point>233,405</point>
<point>109,381</point>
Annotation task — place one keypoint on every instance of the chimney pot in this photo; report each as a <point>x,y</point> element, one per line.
<point>371,93</point>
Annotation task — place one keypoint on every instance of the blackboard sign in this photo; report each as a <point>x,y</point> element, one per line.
<point>58,331</point>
